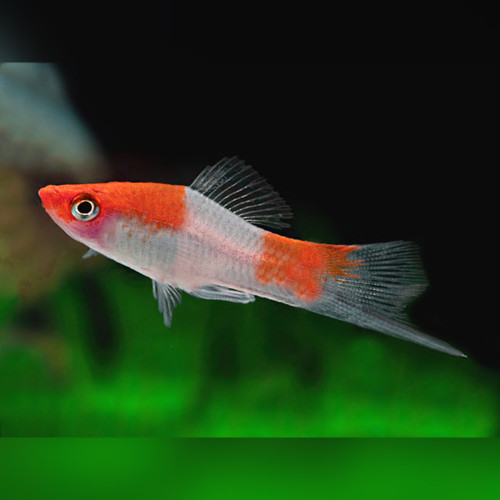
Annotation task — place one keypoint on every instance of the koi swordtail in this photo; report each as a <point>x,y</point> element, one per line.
<point>204,240</point>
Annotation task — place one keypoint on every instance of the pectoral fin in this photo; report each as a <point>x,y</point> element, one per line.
<point>89,253</point>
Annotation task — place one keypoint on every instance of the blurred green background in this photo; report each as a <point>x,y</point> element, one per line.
<point>188,469</point>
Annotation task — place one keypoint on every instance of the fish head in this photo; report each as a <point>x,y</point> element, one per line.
<point>83,211</point>
<point>98,215</point>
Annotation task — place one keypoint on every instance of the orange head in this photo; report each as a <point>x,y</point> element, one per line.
<point>79,209</point>
<point>89,212</point>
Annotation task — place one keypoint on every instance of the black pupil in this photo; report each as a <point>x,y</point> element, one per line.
<point>85,207</point>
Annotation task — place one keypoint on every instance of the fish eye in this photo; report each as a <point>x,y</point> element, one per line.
<point>84,209</point>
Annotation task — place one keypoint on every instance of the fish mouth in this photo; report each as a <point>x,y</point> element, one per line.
<point>48,195</point>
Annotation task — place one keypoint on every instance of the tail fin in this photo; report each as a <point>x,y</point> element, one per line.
<point>372,291</point>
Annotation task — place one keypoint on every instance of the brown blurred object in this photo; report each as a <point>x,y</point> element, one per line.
<point>41,137</point>
<point>33,251</point>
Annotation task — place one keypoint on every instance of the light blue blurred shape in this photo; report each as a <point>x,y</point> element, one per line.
<point>39,127</point>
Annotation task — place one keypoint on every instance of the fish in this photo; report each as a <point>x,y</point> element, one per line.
<point>214,240</point>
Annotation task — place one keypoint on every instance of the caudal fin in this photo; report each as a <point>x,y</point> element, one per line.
<point>371,285</point>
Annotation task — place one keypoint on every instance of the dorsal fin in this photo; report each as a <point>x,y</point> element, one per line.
<point>243,191</point>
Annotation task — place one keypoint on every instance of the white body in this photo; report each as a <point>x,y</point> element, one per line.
<point>214,247</point>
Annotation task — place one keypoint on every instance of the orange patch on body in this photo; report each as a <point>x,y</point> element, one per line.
<point>157,205</point>
<point>301,266</point>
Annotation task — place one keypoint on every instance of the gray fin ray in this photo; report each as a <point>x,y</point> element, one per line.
<point>240,189</point>
<point>168,297</point>
<point>369,319</point>
<point>385,279</point>
<point>90,253</point>
<point>217,292</point>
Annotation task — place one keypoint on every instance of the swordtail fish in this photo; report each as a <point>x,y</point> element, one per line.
<point>205,240</point>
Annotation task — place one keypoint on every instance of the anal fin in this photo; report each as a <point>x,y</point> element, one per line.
<point>218,292</point>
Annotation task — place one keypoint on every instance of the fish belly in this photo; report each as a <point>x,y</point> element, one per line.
<point>149,251</point>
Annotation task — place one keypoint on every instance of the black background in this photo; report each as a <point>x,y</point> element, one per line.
<point>383,150</point>
<point>257,30</point>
